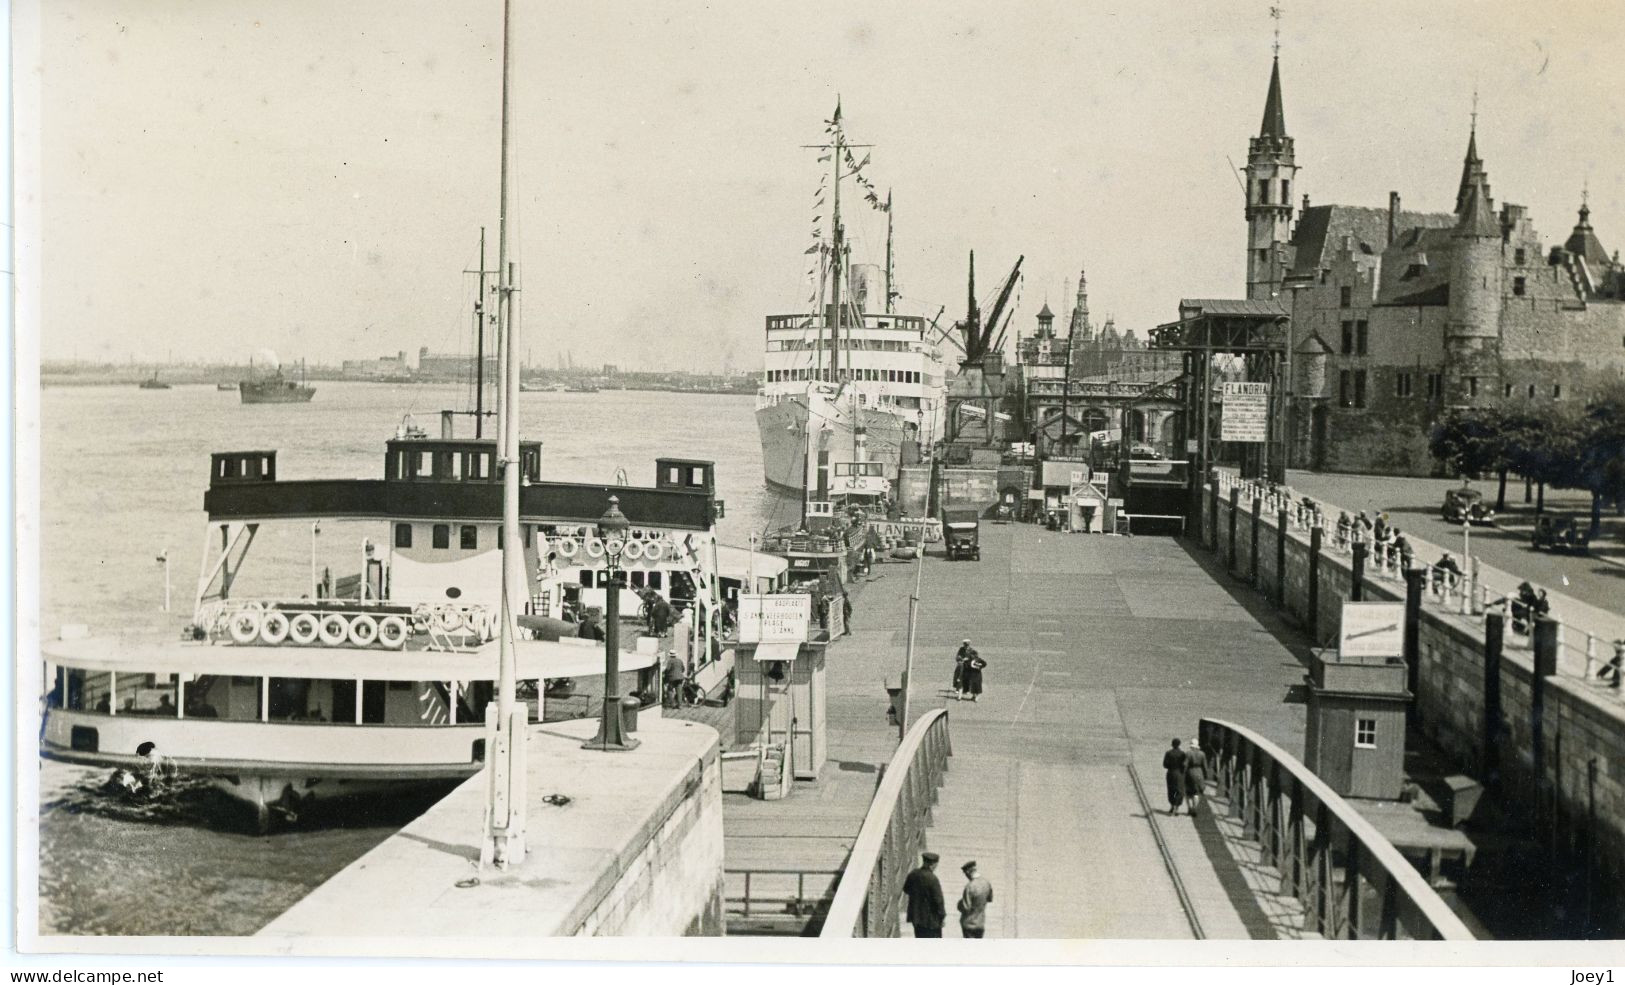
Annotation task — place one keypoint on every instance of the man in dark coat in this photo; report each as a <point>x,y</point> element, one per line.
<point>926,909</point>
<point>1173,764</point>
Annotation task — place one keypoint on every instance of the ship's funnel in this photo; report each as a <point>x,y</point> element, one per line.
<point>866,283</point>
<point>266,359</point>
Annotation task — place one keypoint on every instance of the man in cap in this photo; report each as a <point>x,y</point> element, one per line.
<point>973,903</point>
<point>926,909</point>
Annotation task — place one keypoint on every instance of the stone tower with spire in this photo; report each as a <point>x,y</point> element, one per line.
<point>1271,170</point>
<point>1080,330</point>
<point>1472,336</point>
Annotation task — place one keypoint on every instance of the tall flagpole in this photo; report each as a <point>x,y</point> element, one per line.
<point>505,810</point>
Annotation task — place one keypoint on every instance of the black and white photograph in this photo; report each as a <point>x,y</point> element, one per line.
<point>1127,485</point>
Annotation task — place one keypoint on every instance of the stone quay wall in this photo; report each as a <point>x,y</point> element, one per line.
<point>1486,723</point>
<point>669,882</point>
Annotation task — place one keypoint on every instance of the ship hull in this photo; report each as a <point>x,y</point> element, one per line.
<point>783,428</point>
<point>280,395</point>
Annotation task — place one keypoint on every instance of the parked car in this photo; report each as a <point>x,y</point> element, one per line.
<point>1466,505</point>
<point>1561,533</point>
<point>961,530</point>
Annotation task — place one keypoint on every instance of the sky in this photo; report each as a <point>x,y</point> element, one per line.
<point>223,176</point>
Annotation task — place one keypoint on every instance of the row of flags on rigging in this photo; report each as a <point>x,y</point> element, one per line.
<point>832,127</point>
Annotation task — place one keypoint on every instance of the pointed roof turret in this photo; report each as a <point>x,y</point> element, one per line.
<point>1274,124</point>
<point>1472,169</point>
<point>1045,314</point>
<point>1476,217</point>
<point>1583,241</point>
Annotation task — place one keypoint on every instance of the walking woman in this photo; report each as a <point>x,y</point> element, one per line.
<point>1173,765</point>
<point>973,674</point>
<point>1195,777</point>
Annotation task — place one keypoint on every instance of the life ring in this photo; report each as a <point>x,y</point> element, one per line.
<point>335,629</point>
<point>654,550</point>
<point>274,627</point>
<point>447,619</point>
<point>634,550</point>
<point>303,628</point>
<point>392,632</point>
<point>566,547</point>
<point>363,630</point>
<point>595,548</point>
<point>422,617</point>
<point>244,626</point>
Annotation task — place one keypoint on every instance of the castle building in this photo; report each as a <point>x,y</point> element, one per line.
<point>1400,316</point>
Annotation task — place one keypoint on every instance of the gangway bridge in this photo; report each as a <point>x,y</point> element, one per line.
<point>1099,650</point>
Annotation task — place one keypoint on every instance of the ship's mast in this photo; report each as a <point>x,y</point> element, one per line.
<point>479,345</point>
<point>889,294</point>
<point>835,276</point>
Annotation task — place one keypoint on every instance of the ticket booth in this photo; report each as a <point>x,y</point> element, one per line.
<point>780,665</point>
<point>1355,737</point>
<point>782,695</point>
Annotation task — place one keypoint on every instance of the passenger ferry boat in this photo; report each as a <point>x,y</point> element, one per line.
<point>847,376</point>
<point>282,699</point>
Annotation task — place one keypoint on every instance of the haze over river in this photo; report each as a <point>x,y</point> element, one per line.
<point>122,480</point>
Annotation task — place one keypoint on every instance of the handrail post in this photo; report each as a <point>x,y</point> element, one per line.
<point>1252,564</point>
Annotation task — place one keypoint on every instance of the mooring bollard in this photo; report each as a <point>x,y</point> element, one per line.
<point>1591,653</point>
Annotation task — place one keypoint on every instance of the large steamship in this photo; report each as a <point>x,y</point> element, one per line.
<point>851,380</point>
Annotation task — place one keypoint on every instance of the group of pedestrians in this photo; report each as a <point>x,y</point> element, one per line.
<point>968,667</point>
<point>1186,773</point>
<point>927,909</point>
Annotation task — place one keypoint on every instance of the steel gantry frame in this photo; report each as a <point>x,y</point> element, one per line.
<point>1259,332</point>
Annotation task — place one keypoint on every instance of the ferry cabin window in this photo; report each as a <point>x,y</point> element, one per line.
<point>88,690</point>
<point>425,464</point>
<point>442,536</point>
<point>151,694</point>
<point>403,535</point>
<point>469,537</point>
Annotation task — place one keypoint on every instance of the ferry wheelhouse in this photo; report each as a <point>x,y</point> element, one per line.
<point>284,697</point>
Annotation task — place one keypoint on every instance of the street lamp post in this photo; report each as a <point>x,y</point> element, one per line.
<point>315,531</point>
<point>612,737</point>
<point>163,559</point>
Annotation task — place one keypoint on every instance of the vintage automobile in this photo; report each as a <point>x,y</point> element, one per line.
<point>961,530</point>
<point>1561,533</point>
<point>1466,505</point>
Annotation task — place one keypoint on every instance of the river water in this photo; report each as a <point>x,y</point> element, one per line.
<point>122,481</point>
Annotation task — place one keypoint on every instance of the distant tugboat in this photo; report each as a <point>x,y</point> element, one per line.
<point>154,383</point>
<point>275,388</point>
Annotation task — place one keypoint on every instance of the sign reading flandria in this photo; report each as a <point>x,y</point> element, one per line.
<point>1244,412</point>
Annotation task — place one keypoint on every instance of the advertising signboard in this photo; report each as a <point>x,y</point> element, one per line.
<point>1244,412</point>
<point>774,618</point>
<point>905,529</point>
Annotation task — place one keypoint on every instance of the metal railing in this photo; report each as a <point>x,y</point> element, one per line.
<point>866,901</point>
<point>1596,658</point>
<point>1352,882</point>
<point>767,902</point>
